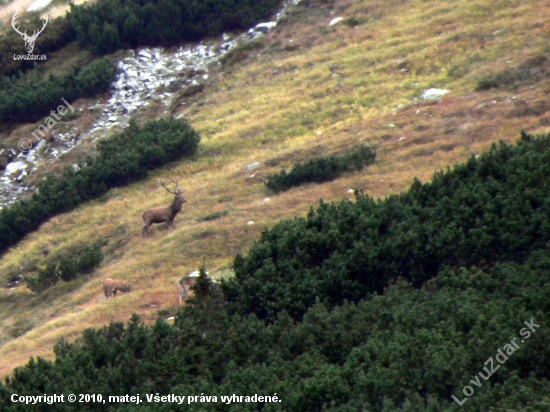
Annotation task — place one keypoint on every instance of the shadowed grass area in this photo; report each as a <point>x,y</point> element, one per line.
<point>212,216</point>
<point>533,71</point>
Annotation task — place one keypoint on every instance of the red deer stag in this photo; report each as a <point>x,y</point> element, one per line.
<point>111,286</point>
<point>162,214</point>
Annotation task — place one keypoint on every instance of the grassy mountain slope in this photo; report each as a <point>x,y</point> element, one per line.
<point>406,349</point>
<point>306,89</point>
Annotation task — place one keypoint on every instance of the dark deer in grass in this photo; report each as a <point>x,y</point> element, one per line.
<point>161,214</point>
<point>111,286</point>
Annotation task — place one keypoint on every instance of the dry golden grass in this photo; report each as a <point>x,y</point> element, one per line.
<point>311,90</point>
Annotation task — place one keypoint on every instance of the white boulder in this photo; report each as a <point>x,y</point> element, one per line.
<point>434,94</point>
<point>265,27</point>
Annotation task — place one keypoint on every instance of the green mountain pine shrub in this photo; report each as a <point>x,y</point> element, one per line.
<point>465,261</point>
<point>490,209</point>
<point>66,267</point>
<point>108,25</point>
<point>29,98</point>
<point>321,169</point>
<point>123,158</point>
<point>408,349</point>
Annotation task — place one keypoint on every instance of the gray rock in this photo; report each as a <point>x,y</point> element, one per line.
<point>335,21</point>
<point>253,166</point>
<point>265,27</point>
<point>433,94</point>
<point>196,274</point>
<point>31,156</point>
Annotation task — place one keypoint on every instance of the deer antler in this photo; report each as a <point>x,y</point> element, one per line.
<point>25,35</point>
<point>17,28</point>
<point>35,35</point>
<point>176,191</point>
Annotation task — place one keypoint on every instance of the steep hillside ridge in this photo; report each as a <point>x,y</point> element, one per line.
<point>407,348</point>
<point>306,89</point>
<point>151,76</point>
<point>488,210</point>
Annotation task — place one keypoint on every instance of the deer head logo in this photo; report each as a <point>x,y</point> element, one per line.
<point>29,40</point>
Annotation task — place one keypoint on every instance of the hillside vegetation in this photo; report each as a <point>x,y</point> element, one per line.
<point>105,26</point>
<point>408,348</point>
<point>321,169</point>
<point>52,39</point>
<point>495,209</point>
<point>29,98</point>
<point>305,90</point>
<point>122,159</point>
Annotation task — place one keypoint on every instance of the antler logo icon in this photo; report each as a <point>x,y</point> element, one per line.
<point>29,40</point>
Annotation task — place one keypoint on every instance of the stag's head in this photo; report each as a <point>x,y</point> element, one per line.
<point>29,40</point>
<point>178,193</point>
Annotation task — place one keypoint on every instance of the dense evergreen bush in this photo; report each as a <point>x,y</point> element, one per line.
<point>123,158</point>
<point>459,264</point>
<point>89,259</point>
<point>30,97</point>
<point>108,25</point>
<point>47,276</point>
<point>66,267</point>
<point>203,287</point>
<point>321,169</point>
<point>490,209</point>
<point>408,350</point>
